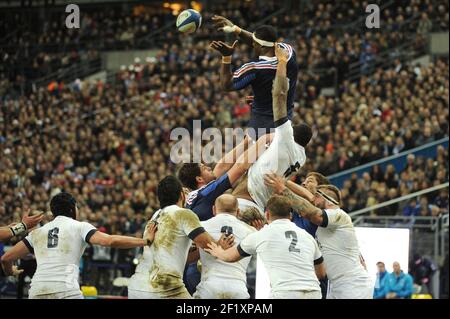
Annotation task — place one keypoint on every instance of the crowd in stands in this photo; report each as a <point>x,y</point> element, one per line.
<point>328,44</point>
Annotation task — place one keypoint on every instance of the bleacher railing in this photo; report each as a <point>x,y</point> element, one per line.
<point>398,160</point>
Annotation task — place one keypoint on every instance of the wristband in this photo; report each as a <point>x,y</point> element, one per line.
<point>234,28</point>
<point>226,59</point>
<point>18,229</point>
<point>148,242</point>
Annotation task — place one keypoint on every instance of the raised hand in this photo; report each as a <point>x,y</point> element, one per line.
<point>222,24</point>
<point>281,54</point>
<point>32,221</point>
<point>223,48</point>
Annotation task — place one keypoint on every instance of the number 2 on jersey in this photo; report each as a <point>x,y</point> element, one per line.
<point>290,234</point>
<point>53,237</point>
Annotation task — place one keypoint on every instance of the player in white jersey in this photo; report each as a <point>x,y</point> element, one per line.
<point>58,247</point>
<point>337,239</point>
<point>290,255</point>
<point>286,153</point>
<point>219,279</point>
<point>177,228</point>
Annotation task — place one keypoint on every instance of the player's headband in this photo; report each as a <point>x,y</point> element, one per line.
<point>328,198</point>
<point>263,43</point>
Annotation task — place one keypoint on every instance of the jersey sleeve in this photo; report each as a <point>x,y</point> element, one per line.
<point>289,49</point>
<point>216,188</point>
<point>244,76</point>
<point>248,245</point>
<point>190,223</point>
<point>28,241</point>
<point>334,218</point>
<point>86,231</point>
<point>284,133</point>
<point>318,259</point>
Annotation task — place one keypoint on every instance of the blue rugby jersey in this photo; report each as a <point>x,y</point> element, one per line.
<point>260,75</point>
<point>202,200</point>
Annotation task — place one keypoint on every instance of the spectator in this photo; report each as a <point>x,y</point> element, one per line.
<point>398,284</point>
<point>381,282</point>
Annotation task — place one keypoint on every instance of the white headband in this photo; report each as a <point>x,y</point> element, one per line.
<point>262,42</point>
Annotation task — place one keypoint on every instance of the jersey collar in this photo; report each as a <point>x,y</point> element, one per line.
<point>281,221</point>
<point>268,58</point>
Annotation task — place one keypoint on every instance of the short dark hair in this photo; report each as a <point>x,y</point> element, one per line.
<point>63,204</point>
<point>267,33</point>
<point>169,191</point>
<point>188,174</point>
<point>321,180</point>
<point>302,134</point>
<point>279,206</point>
<point>380,263</point>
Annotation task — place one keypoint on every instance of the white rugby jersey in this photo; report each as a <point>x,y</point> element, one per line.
<point>215,269</point>
<point>288,253</point>
<point>58,247</point>
<point>176,227</point>
<point>140,280</point>
<point>283,157</point>
<point>339,245</point>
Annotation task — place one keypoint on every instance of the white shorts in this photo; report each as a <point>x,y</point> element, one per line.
<point>350,290</point>
<point>137,294</point>
<point>296,294</point>
<point>223,289</point>
<point>243,204</point>
<point>71,294</point>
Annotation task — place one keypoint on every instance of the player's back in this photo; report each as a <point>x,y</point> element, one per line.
<point>58,247</point>
<point>170,249</point>
<point>340,248</point>
<point>288,254</point>
<point>214,269</point>
<point>283,157</point>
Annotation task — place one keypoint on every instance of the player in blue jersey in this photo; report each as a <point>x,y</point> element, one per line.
<point>205,185</point>
<point>259,73</point>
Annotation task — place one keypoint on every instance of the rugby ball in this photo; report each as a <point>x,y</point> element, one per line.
<point>189,21</point>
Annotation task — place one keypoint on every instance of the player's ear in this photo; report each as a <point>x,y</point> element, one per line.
<point>267,216</point>
<point>214,210</point>
<point>238,213</point>
<point>199,179</point>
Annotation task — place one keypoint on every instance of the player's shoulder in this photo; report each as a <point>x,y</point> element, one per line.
<point>185,214</point>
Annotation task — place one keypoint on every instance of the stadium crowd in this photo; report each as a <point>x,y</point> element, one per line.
<point>328,44</point>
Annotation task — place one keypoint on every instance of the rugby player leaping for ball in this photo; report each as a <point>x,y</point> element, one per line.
<point>285,155</point>
<point>258,73</point>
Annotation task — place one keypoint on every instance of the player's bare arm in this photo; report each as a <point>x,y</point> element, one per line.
<point>299,204</point>
<point>226,75</point>
<point>300,190</point>
<point>230,158</point>
<point>280,85</point>
<point>20,250</point>
<point>28,222</point>
<point>228,255</point>
<point>124,242</point>
<point>223,24</point>
<point>320,271</point>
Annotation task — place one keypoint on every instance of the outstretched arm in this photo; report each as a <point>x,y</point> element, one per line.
<point>28,222</point>
<point>230,158</point>
<point>229,255</point>
<point>226,75</point>
<point>225,25</point>
<point>280,85</point>
<point>301,205</point>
